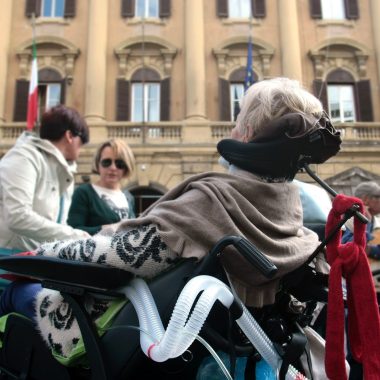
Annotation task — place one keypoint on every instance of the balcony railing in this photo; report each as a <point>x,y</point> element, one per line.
<point>173,132</point>
<point>359,132</point>
<point>152,133</point>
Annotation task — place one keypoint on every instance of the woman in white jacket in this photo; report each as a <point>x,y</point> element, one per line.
<point>35,180</point>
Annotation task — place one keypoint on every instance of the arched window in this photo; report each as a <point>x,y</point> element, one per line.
<point>145,98</point>
<point>345,99</point>
<point>231,92</point>
<point>51,89</point>
<point>341,96</point>
<point>341,80</point>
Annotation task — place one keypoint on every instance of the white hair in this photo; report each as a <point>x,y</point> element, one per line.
<point>270,99</point>
<point>367,189</point>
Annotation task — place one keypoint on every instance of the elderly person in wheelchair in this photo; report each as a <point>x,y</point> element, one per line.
<point>279,123</point>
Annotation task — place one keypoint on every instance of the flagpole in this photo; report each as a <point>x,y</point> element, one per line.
<point>143,71</point>
<point>32,111</point>
<point>35,48</point>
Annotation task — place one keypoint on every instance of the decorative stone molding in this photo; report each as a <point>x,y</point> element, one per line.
<point>232,55</point>
<point>149,51</point>
<point>52,52</point>
<point>340,53</point>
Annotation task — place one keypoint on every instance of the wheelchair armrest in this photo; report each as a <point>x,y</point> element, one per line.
<point>77,273</point>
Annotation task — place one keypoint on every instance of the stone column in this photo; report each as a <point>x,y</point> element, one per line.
<point>289,39</point>
<point>96,68</point>
<point>5,32</point>
<point>195,71</point>
<point>375,12</point>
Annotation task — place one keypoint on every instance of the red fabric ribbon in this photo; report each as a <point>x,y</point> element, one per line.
<point>350,261</point>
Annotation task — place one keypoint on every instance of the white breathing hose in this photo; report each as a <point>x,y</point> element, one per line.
<point>181,328</point>
<point>186,321</point>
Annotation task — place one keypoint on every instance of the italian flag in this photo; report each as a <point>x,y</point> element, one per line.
<point>33,92</point>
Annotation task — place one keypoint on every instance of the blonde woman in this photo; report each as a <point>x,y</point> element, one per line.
<point>95,206</point>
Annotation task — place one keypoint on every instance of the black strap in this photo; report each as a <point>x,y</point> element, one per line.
<point>293,351</point>
<point>250,368</point>
<point>232,351</point>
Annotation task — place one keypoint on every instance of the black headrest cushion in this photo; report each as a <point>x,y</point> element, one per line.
<point>277,150</point>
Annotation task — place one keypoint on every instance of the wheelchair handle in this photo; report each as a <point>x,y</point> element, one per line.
<point>249,251</point>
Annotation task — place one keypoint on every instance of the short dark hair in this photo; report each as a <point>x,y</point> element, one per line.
<point>59,119</point>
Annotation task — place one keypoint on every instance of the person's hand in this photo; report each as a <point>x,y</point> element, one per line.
<point>83,234</point>
<point>109,229</point>
<point>28,253</point>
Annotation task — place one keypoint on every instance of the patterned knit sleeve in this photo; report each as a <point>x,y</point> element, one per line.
<point>139,250</point>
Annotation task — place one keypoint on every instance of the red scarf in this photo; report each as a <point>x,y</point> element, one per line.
<point>350,261</point>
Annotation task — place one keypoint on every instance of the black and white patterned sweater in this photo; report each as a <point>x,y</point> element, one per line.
<point>140,251</point>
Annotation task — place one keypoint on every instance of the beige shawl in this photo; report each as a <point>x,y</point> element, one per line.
<point>193,216</point>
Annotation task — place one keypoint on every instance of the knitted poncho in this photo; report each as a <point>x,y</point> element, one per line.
<point>193,216</point>
<point>187,222</point>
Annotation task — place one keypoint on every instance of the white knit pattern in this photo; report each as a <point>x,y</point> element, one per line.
<point>139,251</point>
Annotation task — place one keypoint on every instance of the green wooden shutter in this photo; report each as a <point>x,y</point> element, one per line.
<point>352,9</point>
<point>122,100</point>
<point>32,6</point>
<point>70,7</point>
<point>315,9</point>
<point>128,8</point>
<point>222,8</point>
<point>164,8</point>
<point>364,100</point>
<point>258,8</point>
<point>224,100</point>
<point>165,100</point>
<point>21,100</point>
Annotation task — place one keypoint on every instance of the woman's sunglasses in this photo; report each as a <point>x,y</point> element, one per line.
<point>107,162</point>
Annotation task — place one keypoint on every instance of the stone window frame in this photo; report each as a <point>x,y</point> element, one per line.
<point>157,54</point>
<point>52,52</point>
<point>231,55</point>
<point>339,53</point>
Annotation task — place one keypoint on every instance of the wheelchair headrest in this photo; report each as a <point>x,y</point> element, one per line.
<point>280,148</point>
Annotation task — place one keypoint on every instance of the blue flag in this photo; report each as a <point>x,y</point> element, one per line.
<point>248,80</point>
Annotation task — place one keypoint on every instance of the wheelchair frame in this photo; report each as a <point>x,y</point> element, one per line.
<point>106,281</point>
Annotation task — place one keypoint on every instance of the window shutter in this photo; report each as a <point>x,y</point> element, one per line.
<point>165,100</point>
<point>258,8</point>
<point>352,9</point>
<point>63,90</point>
<point>224,100</point>
<point>364,100</point>
<point>315,8</point>
<point>21,100</point>
<point>32,6</point>
<point>122,100</point>
<point>164,8</point>
<point>127,8</point>
<point>222,8</point>
<point>70,6</point>
<point>320,91</point>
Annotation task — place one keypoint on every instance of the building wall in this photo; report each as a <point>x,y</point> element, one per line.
<point>194,47</point>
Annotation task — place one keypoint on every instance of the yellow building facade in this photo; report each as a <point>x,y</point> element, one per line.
<point>166,75</point>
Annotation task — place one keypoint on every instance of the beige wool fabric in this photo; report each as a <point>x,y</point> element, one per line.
<point>193,216</point>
